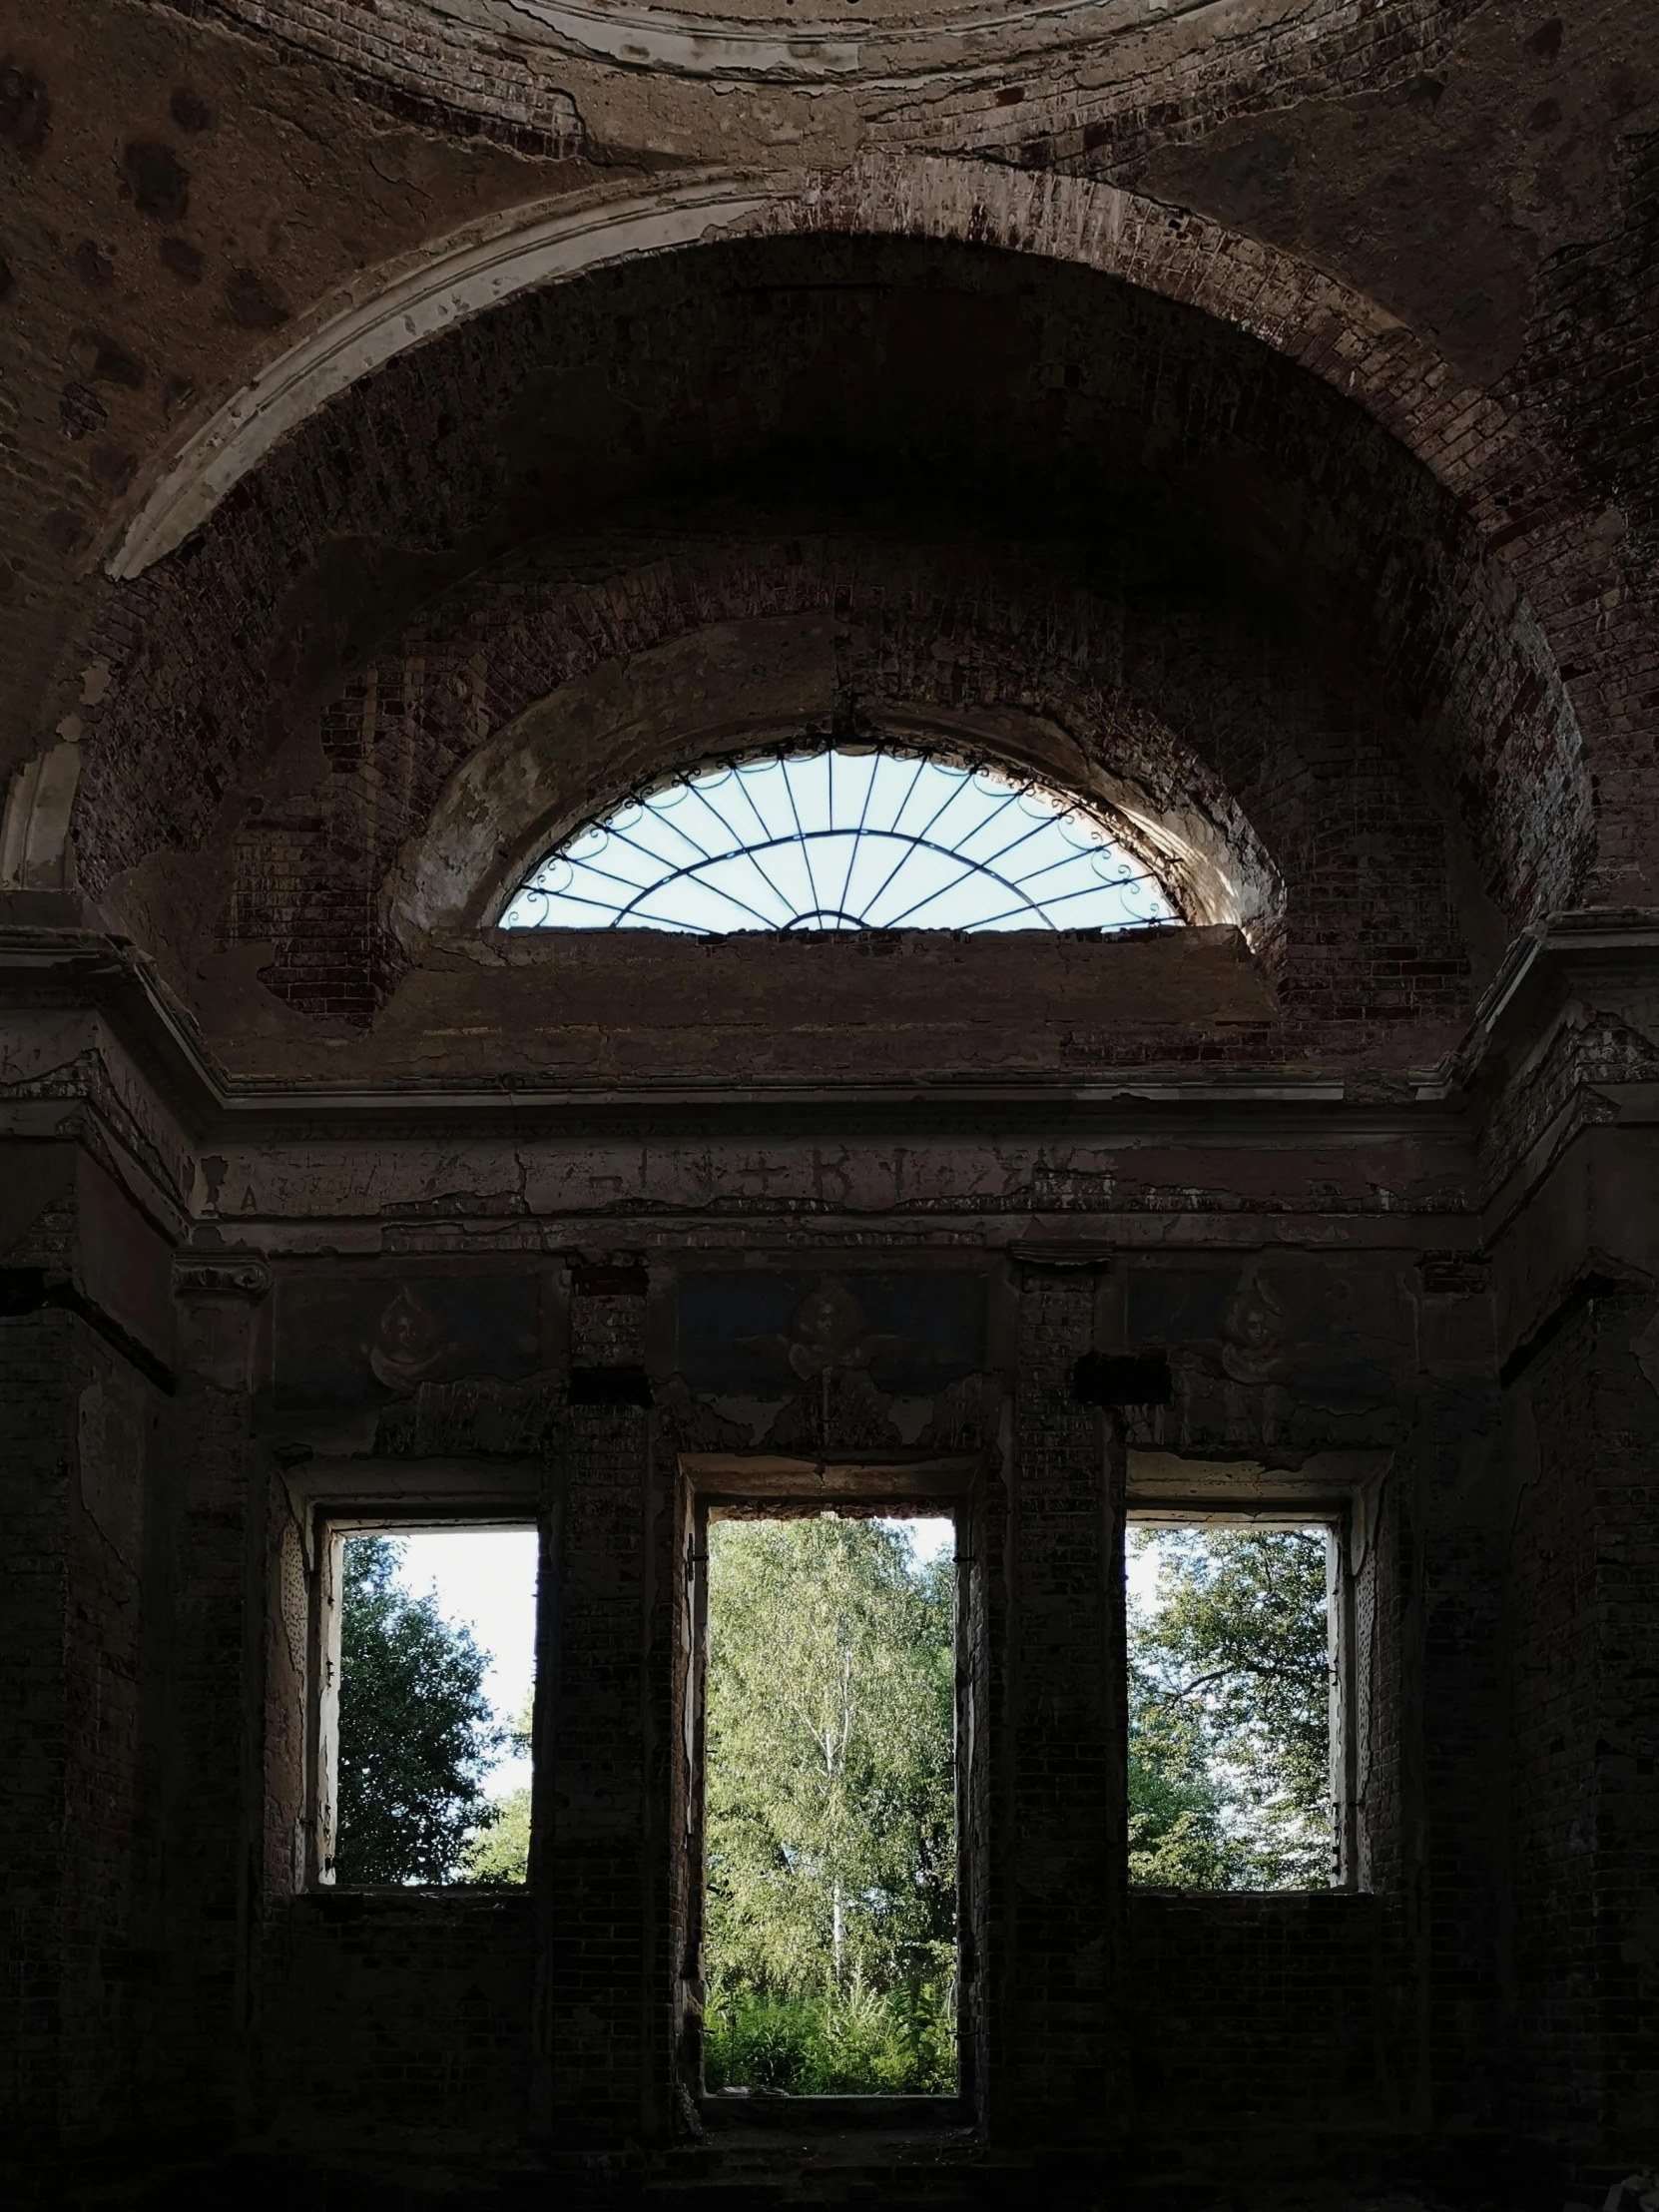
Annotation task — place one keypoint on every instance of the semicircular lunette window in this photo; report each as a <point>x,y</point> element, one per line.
<point>842,841</point>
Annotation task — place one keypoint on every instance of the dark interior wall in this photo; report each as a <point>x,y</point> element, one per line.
<point>1583,1717</point>
<point>85,1443</point>
<point>81,1457</point>
<point>1276,771</point>
<point>109,1798</point>
<point>1555,1708</point>
<point>1081,2014</point>
<point>1273,2003</point>
<point>39,1467</point>
<point>1057,1867</point>
<point>610,1972</point>
<point>1627,1966</point>
<point>177,1984</point>
<point>401,2021</point>
<point>1574,1301</point>
<point>1461,1750</point>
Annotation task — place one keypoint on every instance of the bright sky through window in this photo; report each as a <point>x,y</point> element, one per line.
<point>485,1581</point>
<point>842,840</point>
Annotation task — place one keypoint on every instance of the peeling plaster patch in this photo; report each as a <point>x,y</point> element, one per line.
<point>691,46</point>
<point>34,838</point>
<point>905,47</point>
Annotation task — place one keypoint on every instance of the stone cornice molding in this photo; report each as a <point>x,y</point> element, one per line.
<point>1549,1051</point>
<point>1556,960</point>
<point>56,971</point>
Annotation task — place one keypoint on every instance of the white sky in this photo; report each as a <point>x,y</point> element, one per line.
<point>485,1578</point>
<point>927,1538</point>
<point>1141,1572</point>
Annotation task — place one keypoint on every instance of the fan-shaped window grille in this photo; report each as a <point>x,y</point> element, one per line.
<point>842,840</point>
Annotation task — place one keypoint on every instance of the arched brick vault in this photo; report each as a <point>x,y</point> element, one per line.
<point>735,646</point>
<point>1525,501</point>
<point>1287,788</point>
<point>987,392</point>
<point>1284,774</point>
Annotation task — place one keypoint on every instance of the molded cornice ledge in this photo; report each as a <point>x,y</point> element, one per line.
<point>47,972</point>
<point>1565,1039</point>
<point>1567,958</point>
<point>1605,955</point>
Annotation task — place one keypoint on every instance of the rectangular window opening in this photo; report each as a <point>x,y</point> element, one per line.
<point>1234,1724</point>
<point>829,1804</point>
<point>426,1683</point>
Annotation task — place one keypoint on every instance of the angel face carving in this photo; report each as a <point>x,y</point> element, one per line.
<point>410,1346</point>
<point>1256,1334</point>
<point>827,1334</point>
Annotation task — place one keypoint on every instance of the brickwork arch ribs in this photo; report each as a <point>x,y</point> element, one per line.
<point>1465,438</point>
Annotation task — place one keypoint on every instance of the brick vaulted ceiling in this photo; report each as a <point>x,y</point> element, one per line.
<point>1290,429</point>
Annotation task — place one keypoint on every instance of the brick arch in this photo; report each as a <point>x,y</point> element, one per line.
<point>199,642</point>
<point>826,660</point>
<point>1261,789</point>
<point>1483,454</point>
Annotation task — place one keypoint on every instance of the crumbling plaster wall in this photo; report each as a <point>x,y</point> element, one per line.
<point>1280,805</point>
<point>1383,2016</point>
<point>1579,1418</point>
<point>86,1654</point>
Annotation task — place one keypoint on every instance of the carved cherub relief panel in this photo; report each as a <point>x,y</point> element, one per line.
<point>842,1361</point>
<point>1277,1352</point>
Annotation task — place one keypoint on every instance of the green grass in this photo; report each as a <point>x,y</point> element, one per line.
<point>867,2042</point>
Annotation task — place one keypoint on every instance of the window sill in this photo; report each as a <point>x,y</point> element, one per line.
<point>1313,1901</point>
<point>723,2109</point>
<point>354,1904</point>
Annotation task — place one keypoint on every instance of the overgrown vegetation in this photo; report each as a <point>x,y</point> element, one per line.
<point>417,1731</point>
<point>860,2042</point>
<point>829,1811</point>
<point>1229,1714</point>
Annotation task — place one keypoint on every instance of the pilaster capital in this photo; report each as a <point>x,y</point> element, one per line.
<point>245,1276</point>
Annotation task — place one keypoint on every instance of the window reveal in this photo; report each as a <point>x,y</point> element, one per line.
<point>1232,1694</point>
<point>426,1674</point>
<point>829,1826</point>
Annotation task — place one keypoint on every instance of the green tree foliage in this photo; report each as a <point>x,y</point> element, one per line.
<point>1229,1714</point>
<point>417,1731</point>
<point>501,1852</point>
<point>830,1809</point>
